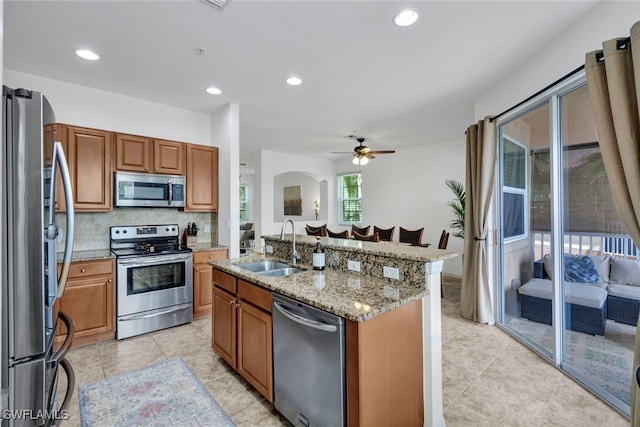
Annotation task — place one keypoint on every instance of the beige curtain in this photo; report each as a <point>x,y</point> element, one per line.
<point>475,298</point>
<point>613,79</point>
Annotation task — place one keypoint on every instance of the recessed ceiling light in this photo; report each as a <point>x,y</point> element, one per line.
<point>214,90</point>
<point>294,81</point>
<point>406,18</point>
<point>87,54</point>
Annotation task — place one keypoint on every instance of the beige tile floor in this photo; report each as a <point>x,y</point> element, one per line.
<point>489,379</point>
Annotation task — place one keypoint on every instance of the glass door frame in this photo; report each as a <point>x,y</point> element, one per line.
<point>551,97</point>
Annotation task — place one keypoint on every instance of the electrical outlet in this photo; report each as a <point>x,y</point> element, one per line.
<point>207,228</point>
<point>353,265</point>
<point>391,272</point>
<point>269,249</point>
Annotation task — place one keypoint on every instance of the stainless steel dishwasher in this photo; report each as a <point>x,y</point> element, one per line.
<point>309,364</point>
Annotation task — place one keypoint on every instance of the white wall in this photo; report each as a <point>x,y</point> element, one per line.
<point>608,20</point>
<point>225,134</point>
<point>408,189</point>
<point>270,164</point>
<point>85,106</point>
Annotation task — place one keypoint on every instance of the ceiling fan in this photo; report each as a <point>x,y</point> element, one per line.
<point>361,153</point>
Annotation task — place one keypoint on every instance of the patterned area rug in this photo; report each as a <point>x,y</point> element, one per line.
<point>607,361</point>
<point>164,394</point>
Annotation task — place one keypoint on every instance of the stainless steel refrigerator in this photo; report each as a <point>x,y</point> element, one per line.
<point>30,160</point>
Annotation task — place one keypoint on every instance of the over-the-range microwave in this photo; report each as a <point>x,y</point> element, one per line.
<point>148,190</point>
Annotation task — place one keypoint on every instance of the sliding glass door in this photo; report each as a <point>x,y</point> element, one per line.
<point>559,236</point>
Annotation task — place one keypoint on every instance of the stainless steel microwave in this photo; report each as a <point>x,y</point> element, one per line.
<point>148,190</point>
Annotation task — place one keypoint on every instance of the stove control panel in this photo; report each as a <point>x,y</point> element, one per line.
<point>120,232</point>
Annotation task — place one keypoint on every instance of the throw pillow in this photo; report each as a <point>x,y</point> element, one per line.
<point>580,269</point>
<point>548,265</point>
<point>625,271</point>
<point>603,265</point>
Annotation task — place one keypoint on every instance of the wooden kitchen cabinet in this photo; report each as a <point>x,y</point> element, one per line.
<point>168,157</point>
<point>242,329</point>
<point>89,300</point>
<point>202,279</point>
<point>142,154</point>
<point>90,165</point>
<point>52,133</point>
<point>202,178</point>
<point>133,153</point>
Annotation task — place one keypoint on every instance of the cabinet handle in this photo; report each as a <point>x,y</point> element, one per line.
<point>231,302</point>
<point>82,270</point>
<point>109,280</point>
<point>237,305</point>
<point>196,268</point>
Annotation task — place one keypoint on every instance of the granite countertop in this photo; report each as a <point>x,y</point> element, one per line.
<point>209,246</point>
<point>87,255</point>
<point>353,296</point>
<point>390,249</point>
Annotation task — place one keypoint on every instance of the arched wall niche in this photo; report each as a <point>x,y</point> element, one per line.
<point>310,189</point>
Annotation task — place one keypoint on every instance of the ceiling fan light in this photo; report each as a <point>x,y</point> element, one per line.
<point>360,160</point>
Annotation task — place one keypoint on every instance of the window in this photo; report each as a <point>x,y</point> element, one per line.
<point>514,189</point>
<point>350,198</point>
<point>244,202</point>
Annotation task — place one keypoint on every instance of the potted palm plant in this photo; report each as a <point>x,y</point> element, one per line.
<point>457,206</point>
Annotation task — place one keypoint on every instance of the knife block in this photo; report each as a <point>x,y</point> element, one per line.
<point>192,241</point>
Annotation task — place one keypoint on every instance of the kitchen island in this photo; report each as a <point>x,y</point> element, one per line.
<point>393,333</point>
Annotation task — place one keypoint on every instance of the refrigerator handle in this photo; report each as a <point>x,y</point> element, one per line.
<point>59,157</point>
<point>71,385</point>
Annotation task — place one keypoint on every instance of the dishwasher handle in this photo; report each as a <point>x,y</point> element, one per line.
<point>303,320</point>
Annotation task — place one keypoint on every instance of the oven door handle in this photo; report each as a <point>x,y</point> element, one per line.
<point>157,313</point>
<point>152,260</point>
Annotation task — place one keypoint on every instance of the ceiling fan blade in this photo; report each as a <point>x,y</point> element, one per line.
<point>383,151</point>
<point>369,155</point>
<point>342,152</point>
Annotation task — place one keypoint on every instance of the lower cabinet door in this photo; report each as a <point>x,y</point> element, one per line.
<point>255,360</point>
<point>202,292</point>
<point>89,303</point>
<point>223,324</point>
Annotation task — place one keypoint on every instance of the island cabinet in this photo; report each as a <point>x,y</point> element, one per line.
<point>242,329</point>
<point>384,369</point>
<point>142,154</point>
<point>88,299</point>
<point>90,165</point>
<point>202,178</point>
<point>202,277</point>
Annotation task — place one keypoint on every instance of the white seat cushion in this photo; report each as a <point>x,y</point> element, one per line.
<point>575,293</point>
<point>624,291</point>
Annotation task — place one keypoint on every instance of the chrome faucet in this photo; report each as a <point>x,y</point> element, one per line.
<point>294,254</point>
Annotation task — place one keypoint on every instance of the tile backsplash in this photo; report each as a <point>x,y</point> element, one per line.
<point>92,229</point>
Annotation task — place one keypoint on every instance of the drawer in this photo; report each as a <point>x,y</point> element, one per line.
<point>82,269</point>
<point>224,280</point>
<point>255,295</point>
<point>206,256</point>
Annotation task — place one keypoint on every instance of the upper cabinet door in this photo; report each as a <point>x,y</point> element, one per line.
<point>56,133</point>
<point>202,178</point>
<point>133,153</point>
<point>90,167</point>
<point>168,157</point>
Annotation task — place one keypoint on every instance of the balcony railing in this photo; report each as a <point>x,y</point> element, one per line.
<point>586,243</point>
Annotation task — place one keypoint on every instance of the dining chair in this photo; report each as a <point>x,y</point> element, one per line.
<point>367,238</point>
<point>316,231</point>
<point>411,236</point>
<point>363,231</point>
<point>385,234</point>
<point>344,234</point>
<point>444,239</point>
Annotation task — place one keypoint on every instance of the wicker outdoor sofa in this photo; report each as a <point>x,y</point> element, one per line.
<point>610,290</point>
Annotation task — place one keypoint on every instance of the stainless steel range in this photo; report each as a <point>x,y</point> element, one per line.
<point>154,278</point>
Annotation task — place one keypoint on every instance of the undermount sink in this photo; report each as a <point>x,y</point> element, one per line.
<point>262,266</point>
<point>286,271</point>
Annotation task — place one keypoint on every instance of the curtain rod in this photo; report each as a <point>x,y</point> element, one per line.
<point>561,79</point>
<point>622,43</point>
